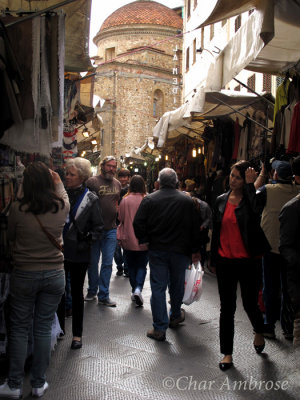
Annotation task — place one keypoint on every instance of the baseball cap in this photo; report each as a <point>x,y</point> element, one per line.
<point>283,169</point>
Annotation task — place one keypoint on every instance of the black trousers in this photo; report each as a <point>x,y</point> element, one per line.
<point>77,277</point>
<point>248,272</point>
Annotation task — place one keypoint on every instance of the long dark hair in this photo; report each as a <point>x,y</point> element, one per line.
<point>39,191</point>
<point>137,185</point>
<point>241,166</point>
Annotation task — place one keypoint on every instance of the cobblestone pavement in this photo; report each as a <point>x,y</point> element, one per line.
<point>118,361</point>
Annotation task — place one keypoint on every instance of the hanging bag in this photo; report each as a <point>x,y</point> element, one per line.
<point>193,284</point>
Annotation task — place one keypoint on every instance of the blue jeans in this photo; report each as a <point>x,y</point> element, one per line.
<point>34,297</point>
<point>120,259</point>
<point>166,267</point>
<point>107,247</point>
<point>137,268</point>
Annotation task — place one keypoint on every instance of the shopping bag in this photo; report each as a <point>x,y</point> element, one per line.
<point>193,284</point>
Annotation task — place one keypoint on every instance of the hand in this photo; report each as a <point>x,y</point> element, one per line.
<point>55,177</point>
<point>250,175</point>
<point>196,257</point>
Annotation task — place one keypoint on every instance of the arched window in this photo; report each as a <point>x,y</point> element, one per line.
<point>158,103</point>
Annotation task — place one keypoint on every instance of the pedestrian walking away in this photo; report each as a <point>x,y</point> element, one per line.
<point>168,222</point>
<point>136,254</point>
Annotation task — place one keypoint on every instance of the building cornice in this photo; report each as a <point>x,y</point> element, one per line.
<point>136,30</point>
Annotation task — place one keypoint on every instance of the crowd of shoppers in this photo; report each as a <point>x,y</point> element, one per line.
<point>53,230</point>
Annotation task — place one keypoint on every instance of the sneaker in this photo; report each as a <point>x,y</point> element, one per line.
<point>39,392</point>
<point>132,297</point>
<point>176,321</point>
<point>119,272</point>
<point>138,297</point>
<point>107,302</point>
<point>160,336</point>
<point>10,393</point>
<point>269,332</point>
<point>90,297</point>
<point>126,274</point>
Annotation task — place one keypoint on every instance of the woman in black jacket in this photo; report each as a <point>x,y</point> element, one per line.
<point>238,243</point>
<point>84,224</point>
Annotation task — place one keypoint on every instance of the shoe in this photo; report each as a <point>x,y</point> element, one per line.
<point>126,274</point>
<point>259,347</point>
<point>68,313</point>
<point>132,297</point>
<point>10,393</point>
<point>288,336</point>
<point>176,321</point>
<point>61,336</point>
<point>39,392</point>
<point>107,302</point>
<point>269,332</point>
<point>76,344</point>
<point>138,297</point>
<point>119,272</point>
<point>160,336</point>
<point>90,297</point>
<point>225,366</point>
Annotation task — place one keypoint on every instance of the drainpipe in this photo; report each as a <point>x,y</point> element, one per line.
<point>113,122</point>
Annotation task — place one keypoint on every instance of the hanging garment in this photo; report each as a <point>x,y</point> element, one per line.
<point>244,140</point>
<point>294,141</point>
<point>276,134</point>
<point>42,124</point>
<point>281,98</point>
<point>237,135</point>
<point>286,124</point>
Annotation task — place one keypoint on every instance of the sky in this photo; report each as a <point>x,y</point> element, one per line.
<point>101,9</point>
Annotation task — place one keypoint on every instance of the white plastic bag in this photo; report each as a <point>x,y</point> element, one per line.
<point>193,284</point>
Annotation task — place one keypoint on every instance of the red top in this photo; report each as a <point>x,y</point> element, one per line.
<point>231,242</point>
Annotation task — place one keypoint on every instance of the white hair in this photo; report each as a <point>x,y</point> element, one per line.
<point>82,165</point>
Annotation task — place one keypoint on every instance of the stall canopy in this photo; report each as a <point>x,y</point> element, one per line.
<point>268,42</point>
<point>192,117</point>
<point>77,26</point>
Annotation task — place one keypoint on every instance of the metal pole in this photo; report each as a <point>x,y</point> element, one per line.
<point>36,14</point>
<point>245,116</point>
<point>253,91</point>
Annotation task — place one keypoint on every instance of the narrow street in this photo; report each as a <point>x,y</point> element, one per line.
<point>118,361</point>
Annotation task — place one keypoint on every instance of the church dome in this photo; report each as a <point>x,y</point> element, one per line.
<point>143,12</point>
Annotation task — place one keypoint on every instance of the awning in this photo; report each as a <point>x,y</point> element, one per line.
<point>268,42</point>
<point>191,118</point>
<point>77,28</point>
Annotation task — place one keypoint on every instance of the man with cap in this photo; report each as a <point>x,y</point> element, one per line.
<point>277,303</point>
<point>290,249</point>
<point>108,188</point>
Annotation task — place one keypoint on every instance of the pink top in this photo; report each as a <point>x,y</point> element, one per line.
<point>125,233</point>
<point>231,242</point>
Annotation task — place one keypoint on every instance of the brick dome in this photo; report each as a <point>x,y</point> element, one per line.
<point>143,12</point>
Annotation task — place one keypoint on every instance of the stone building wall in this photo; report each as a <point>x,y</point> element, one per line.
<point>128,83</point>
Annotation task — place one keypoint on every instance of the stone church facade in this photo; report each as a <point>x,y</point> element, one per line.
<point>138,73</point>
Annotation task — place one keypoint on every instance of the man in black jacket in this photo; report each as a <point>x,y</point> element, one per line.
<point>290,249</point>
<point>168,222</point>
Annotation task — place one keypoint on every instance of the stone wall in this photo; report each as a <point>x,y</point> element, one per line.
<point>128,84</point>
